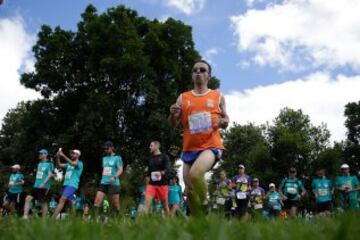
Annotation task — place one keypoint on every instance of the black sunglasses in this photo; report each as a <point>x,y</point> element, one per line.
<point>292,171</point>
<point>200,69</point>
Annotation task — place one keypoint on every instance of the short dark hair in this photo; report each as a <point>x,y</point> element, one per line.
<point>108,144</point>
<point>204,61</point>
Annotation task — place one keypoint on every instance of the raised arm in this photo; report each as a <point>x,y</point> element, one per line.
<point>175,113</point>
<point>58,163</point>
<point>74,163</point>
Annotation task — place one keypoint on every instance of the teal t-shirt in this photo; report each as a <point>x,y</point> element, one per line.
<point>52,204</point>
<point>274,199</point>
<point>16,178</point>
<point>174,194</point>
<point>43,170</point>
<point>323,189</point>
<point>351,182</point>
<point>110,166</point>
<point>73,174</point>
<point>291,188</point>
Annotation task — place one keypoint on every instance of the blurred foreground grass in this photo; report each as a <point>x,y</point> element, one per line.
<point>346,226</point>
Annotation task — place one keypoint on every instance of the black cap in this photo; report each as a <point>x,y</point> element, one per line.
<point>108,144</point>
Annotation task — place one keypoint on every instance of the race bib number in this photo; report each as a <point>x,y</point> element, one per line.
<point>241,195</point>
<point>107,171</point>
<point>68,175</point>
<point>273,201</point>
<point>11,183</point>
<point>200,122</point>
<point>220,201</point>
<point>156,176</point>
<point>258,206</point>
<point>291,190</point>
<point>39,175</point>
<point>348,185</point>
<point>323,192</point>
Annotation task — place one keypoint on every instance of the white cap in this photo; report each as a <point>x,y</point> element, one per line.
<point>17,166</point>
<point>241,166</point>
<point>271,185</point>
<point>344,166</point>
<point>77,152</point>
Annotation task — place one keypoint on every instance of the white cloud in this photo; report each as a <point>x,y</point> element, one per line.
<point>210,54</point>
<point>187,6</point>
<point>251,3</point>
<point>15,48</point>
<point>301,34</point>
<point>164,18</point>
<point>318,95</point>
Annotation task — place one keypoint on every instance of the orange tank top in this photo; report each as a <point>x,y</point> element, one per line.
<point>199,118</point>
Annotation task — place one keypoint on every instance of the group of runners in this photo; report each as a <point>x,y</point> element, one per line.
<point>242,195</point>
<point>201,112</point>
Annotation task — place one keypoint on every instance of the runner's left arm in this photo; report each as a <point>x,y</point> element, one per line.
<point>303,191</point>
<point>224,120</point>
<point>166,165</point>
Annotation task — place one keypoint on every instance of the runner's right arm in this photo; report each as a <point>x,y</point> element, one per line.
<point>175,113</point>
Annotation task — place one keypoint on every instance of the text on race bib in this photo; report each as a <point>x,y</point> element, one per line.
<point>220,201</point>
<point>323,192</point>
<point>241,195</point>
<point>200,122</point>
<point>291,190</point>
<point>156,176</point>
<point>39,175</point>
<point>107,171</point>
<point>68,174</point>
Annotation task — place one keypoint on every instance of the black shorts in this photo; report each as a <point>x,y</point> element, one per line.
<point>109,189</point>
<point>274,213</point>
<point>291,203</point>
<point>324,206</point>
<point>40,194</point>
<point>13,198</point>
<point>242,206</point>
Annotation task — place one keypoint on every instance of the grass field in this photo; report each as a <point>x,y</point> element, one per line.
<point>209,227</point>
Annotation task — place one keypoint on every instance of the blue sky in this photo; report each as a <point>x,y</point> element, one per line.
<point>211,30</point>
<point>268,54</point>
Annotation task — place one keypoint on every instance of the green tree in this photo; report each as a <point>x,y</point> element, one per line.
<point>295,141</point>
<point>246,144</point>
<point>352,143</point>
<point>113,78</point>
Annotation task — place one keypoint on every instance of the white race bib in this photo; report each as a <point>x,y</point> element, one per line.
<point>11,183</point>
<point>39,175</point>
<point>258,206</point>
<point>323,192</point>
<point>241,195</point>
<point>68,175</point>
<point>156,176</point>
<point>291,190</point>
<point>107,171</point>
<point>200,122</point>
<point>220,201</point>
